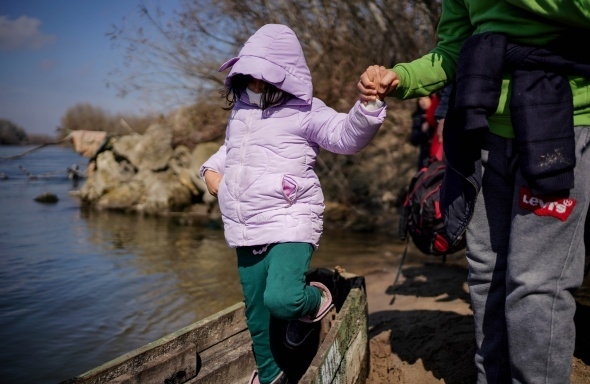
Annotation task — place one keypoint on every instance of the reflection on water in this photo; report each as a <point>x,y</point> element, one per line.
<point>194,261</point>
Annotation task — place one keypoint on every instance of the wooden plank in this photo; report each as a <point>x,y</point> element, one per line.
<point>343,356</point>
<point>174,367</point>
<point>231,361</point>
<point>200,335</point>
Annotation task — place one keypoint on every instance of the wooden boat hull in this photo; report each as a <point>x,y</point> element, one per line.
<point>218,350</point>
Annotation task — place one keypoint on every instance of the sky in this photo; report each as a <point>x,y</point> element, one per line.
<point>54,54</point>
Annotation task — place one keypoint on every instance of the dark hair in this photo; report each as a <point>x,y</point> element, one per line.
<point>271,95</point>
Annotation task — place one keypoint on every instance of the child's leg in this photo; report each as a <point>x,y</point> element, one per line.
<point>274,282</point>
<point>287,295</point>
<point>253,275</point>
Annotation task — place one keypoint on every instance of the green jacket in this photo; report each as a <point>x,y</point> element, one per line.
<point>524,21</point>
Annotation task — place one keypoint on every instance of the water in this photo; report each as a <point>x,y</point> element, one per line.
<point>79,288</point>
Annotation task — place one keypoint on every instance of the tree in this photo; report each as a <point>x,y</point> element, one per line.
<point>176,55</point>
<point>11,134</point>
<point>87,117</point>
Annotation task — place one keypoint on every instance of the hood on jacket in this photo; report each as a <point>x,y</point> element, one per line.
<point>274,54</point>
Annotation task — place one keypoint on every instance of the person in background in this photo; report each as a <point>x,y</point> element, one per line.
<point>436,148</point>
<point>270,197</point>
<point>424,127</point>
<point>517,181</point>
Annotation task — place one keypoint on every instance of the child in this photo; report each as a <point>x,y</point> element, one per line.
<point>270,197</point>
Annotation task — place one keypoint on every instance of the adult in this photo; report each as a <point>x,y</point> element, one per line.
<point>439,114</point>
<point>424,127</point>
<point>516,142</point>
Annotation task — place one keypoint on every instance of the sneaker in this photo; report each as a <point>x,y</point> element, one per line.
<point>299,330</point>
<point>280,379</point>
<point>254,378</point>
<point>325,304</point>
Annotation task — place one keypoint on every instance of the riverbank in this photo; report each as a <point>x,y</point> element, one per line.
<point>423,331</point>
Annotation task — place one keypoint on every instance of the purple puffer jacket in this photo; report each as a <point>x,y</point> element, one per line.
<point>269,192</point>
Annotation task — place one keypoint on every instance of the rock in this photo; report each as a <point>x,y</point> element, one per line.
<point>109,174</point>
<point>141,173</point>
<point>47,198</point>
<point>181,157</point>
<point>150,151</point>
<point>123,197</point>
<point>163,193</point>
<point>180,164</point>
<point>87,143</point>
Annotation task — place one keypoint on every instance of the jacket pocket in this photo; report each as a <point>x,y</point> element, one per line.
<point>289,187</point>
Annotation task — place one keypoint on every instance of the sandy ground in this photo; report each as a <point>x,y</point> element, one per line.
<point>422,332</point>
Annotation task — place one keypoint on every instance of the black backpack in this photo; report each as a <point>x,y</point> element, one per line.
<point>420,213</point>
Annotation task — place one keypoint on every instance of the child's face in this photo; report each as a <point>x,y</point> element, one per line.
<point>256,86</point>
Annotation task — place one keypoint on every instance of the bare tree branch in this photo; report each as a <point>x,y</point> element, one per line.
<point>177,55</point>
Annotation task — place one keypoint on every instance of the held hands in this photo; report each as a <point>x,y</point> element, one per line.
<point>376,82</point>
<point>212,179</point>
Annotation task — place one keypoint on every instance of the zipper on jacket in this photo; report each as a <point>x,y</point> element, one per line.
<point>240,166</point>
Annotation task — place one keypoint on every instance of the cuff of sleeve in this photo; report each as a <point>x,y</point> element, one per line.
<point>373,106</point>
<point>202,172</point>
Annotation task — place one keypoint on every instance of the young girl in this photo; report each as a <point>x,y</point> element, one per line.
<point>270,197</point>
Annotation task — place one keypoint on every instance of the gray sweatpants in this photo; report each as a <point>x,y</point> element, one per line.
<point>526,256</point>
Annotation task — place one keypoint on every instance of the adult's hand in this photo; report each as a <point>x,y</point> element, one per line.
<point>376,83</point>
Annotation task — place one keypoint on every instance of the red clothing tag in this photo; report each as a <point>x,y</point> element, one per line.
<point>558,207</point>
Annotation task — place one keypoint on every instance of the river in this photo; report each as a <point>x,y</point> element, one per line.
<point>79,288</point>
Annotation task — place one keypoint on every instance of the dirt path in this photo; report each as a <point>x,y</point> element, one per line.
<point>424,333</point>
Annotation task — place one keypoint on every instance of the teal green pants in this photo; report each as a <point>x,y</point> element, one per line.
<point>273,282</point>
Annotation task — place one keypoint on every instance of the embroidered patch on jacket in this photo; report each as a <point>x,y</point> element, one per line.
<point>558,207</point>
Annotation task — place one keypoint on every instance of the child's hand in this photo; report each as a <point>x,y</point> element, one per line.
<point>376,82</point>
<point>212,179</point>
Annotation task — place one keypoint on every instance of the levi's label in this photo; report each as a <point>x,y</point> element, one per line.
<point>558,207</point>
